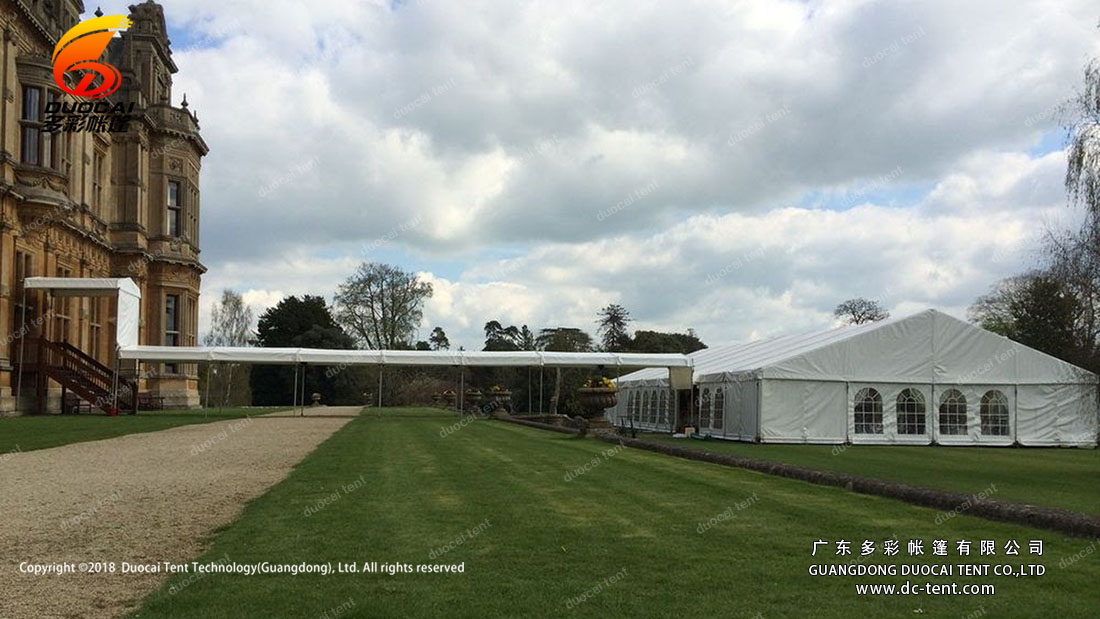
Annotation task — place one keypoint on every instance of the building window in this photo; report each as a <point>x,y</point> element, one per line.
<point>994,414</point>
<point>95,327</point>
<point>175,216</point>
<point>910,407</point>
<point>38,145</point>
<point>171,326</point>
<point>32,125</point>
<point>97,182</point>
<point>952,413</point>
<point>719,408</point>
<point>62,314</point>
<point>23,270</point>
<point>868,411</point>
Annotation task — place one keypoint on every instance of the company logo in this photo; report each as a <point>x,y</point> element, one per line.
<point>79,50</point>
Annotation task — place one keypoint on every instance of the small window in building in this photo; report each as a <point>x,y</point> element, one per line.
<point>867,407</point>
<point>171,326</point>
<point>31,118</point>
<point>95,327</point>
<point>719,408</point>
<point>175,215</point>
<point>62,312</point>
<point>911,412</point>
<point>952,413</point>
<point>994,414</point>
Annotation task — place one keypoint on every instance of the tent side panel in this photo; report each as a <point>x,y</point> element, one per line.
<point>1056,415</point>
<point>803,411</point>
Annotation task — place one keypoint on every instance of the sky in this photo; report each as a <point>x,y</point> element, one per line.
<point>738,168</point>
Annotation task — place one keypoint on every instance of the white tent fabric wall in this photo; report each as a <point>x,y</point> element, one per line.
<point>921,379</point>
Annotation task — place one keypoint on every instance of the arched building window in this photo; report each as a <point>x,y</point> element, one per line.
<point>994,413</point>
<point>952,413</point>
<point>867,407</point>
<point>911,412</point>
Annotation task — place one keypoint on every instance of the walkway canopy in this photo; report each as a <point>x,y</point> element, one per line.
<point>679,366</point>
<point>129,298</point>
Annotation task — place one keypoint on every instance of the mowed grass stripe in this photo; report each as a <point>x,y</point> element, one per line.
<point>1051,477</point>
<point>550,540</point>
<point>31,432</point>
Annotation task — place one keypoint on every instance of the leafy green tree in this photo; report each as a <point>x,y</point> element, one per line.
<point>658,342</point>
<point>304,322</point>
<point>612,323</point>
<point>439,340</point>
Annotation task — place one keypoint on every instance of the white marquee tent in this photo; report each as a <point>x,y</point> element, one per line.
<point>926,378</point>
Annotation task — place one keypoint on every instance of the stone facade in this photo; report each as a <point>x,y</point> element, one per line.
<point>84,204</point>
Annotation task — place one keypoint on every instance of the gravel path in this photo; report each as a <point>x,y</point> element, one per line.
<point>142,498</point>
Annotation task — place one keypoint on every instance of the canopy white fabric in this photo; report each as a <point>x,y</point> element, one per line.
<point>803,388</point>
<point>317,356</point>
<point>129,298</point>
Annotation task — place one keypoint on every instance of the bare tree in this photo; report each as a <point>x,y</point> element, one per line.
<point>1082,114</point>
<point>381,305</point>
<point>230,325</point>
<point>859,310</point>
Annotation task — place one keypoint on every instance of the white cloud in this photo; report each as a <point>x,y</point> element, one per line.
<point>504,130</point>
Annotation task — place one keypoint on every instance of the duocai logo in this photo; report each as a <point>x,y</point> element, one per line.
<point>79,50</point>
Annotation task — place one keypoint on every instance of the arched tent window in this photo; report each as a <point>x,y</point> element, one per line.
<point>632,410</point>
<point>704,409</point>
<point>867,407</point>
<point>653,406</point>
<point>645,406</point>
<point>911,412</point>
<point>952,413</point>
<point>663,409</point>
<point>994,414</point>
<point>719,408</point>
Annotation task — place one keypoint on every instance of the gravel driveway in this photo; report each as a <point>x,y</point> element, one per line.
<point>141,498</point>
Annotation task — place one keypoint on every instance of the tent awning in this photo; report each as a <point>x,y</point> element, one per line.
<point>317,356</point>
<point>129,298</point>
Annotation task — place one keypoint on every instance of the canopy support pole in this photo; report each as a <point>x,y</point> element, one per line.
<point>303,391</point>
<point>295,402</point>
<point>461,390</point>
<point>541,370</point>
<point>206,404</point>
<point>528,390</point>
<point>381,368</point>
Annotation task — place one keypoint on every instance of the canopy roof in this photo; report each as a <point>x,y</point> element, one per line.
<point>928,347</point>
<point>129,298</point>
<point>680,364</point>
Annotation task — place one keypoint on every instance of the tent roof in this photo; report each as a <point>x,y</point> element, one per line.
<point>926,347</point>
<point>84,286</point>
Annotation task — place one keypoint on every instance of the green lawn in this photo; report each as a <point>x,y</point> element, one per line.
<point>624,535</point>
<point>1066,478</point>
<point>32,432</point>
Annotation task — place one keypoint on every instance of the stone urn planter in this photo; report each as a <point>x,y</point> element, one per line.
<point>449,398</point>
<point>437,399</point>
<point>473,399</point>
<point>596,399</point>
<point>501,400</point>
<point>316,397</point>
